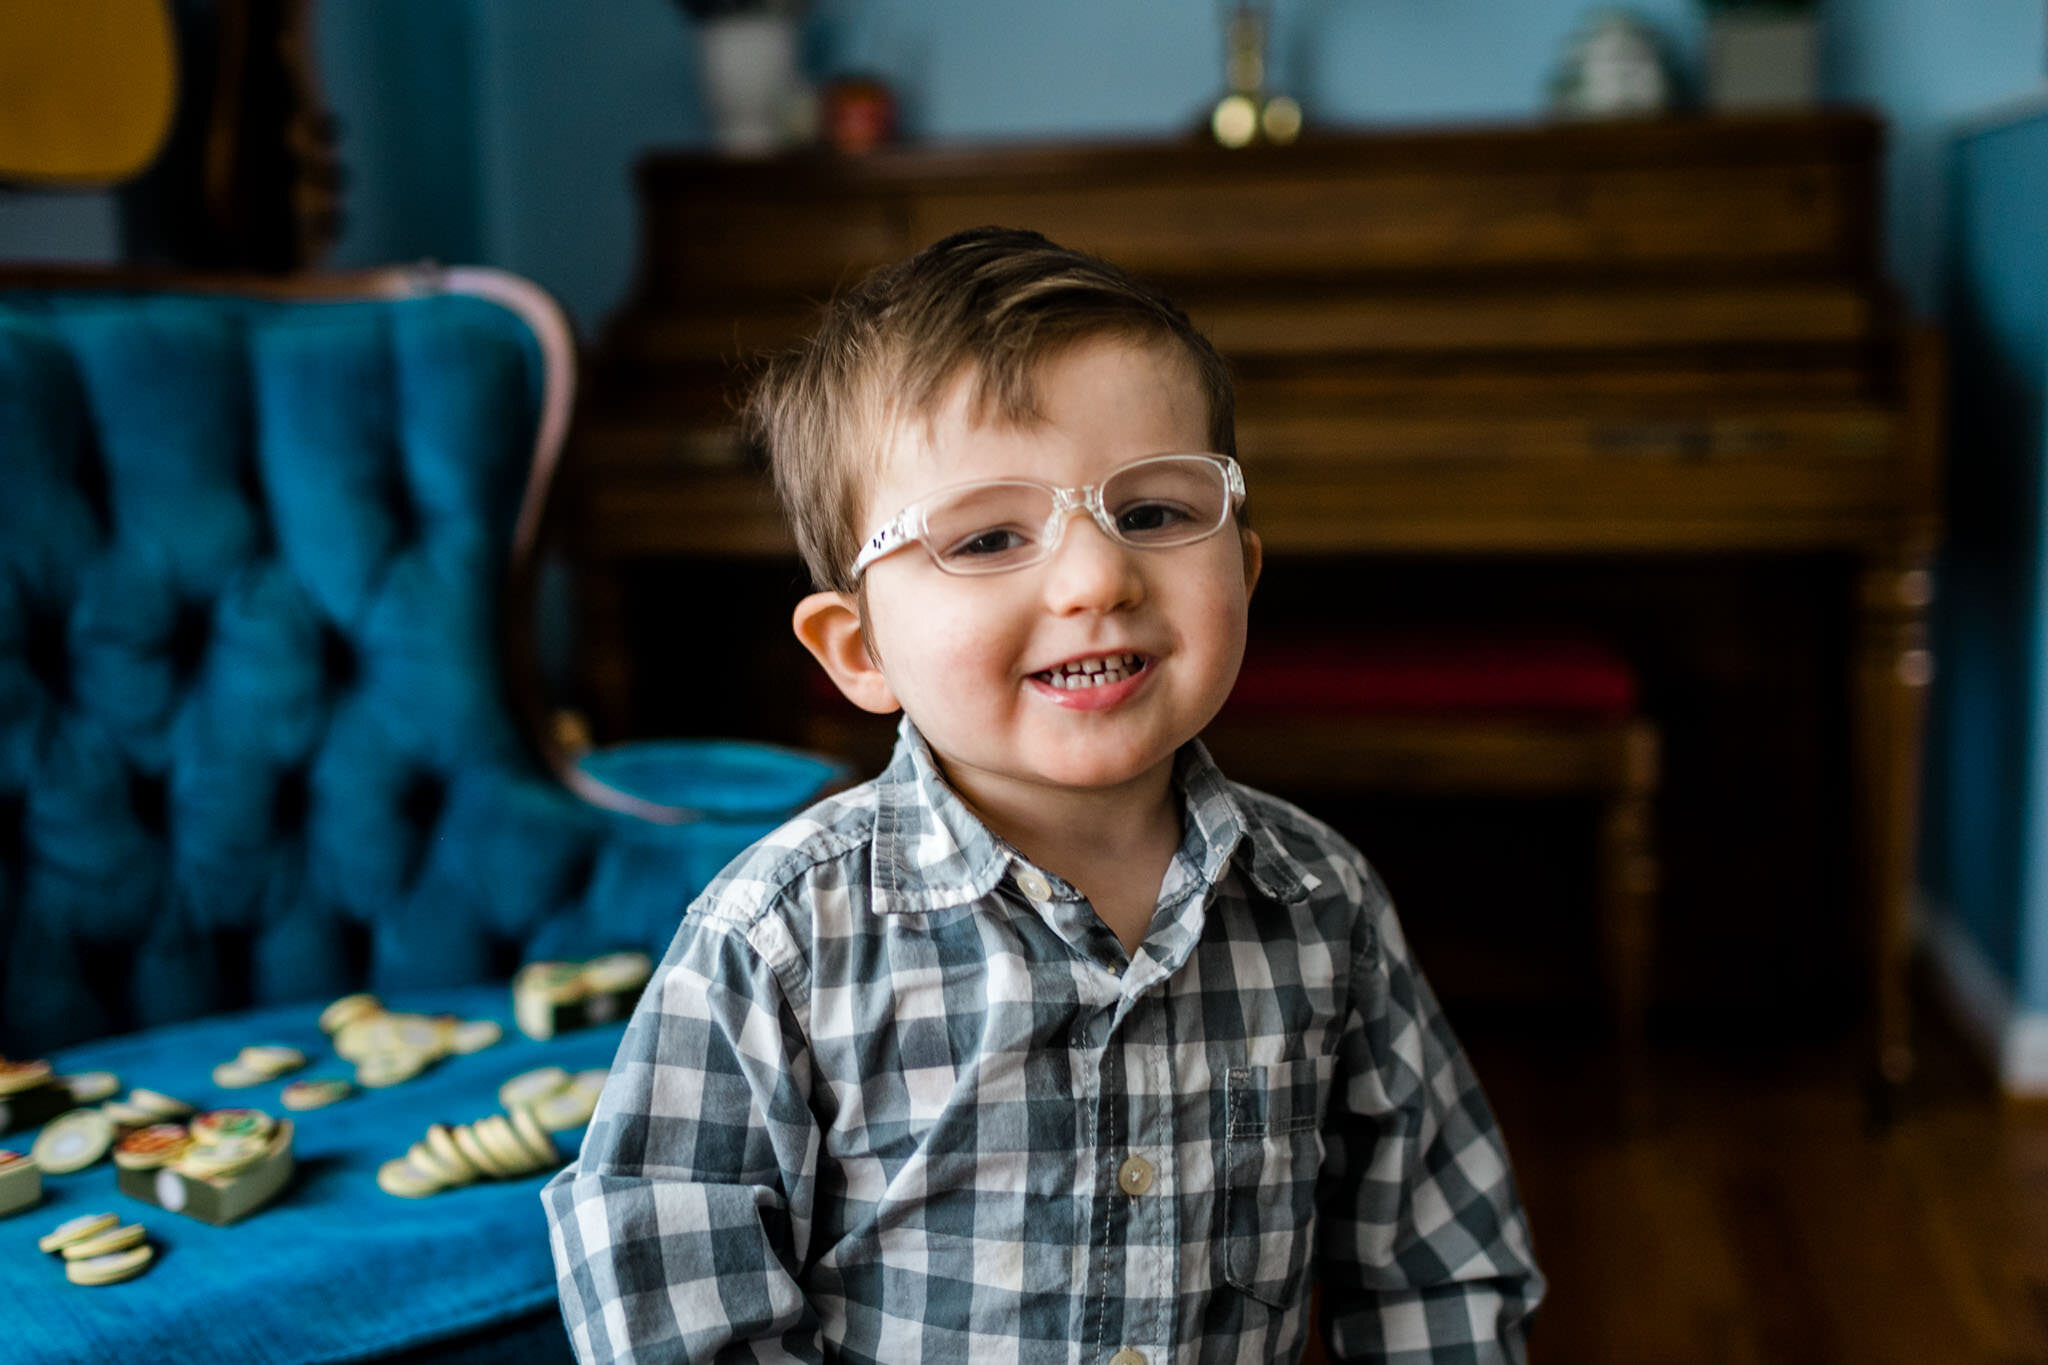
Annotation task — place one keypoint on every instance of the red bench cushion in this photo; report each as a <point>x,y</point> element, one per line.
<point>1434,675</point>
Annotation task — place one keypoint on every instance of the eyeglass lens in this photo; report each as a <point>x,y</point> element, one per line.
<point>1153,504</point>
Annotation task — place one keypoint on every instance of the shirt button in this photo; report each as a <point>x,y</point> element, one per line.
<point>1134,1177</point>
<point>1034,885</point>
<point>1127,1356</point>
<point>1115,969</point>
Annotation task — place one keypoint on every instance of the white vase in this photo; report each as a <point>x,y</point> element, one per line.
<point>748,63</point>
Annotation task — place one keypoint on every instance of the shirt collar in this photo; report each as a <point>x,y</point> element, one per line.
<point>932,853</point>
<point>1219,826</point>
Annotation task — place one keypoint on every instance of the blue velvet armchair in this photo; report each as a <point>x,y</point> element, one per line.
<point>258,749</point>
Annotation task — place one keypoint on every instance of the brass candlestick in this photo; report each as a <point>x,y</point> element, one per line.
<point>1247,114</point>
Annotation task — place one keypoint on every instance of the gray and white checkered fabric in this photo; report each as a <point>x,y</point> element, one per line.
<point>881,1105</point>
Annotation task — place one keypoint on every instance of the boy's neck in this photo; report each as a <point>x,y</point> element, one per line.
<point>1103,840</point>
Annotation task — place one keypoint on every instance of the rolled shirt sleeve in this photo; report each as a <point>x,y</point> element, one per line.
<point>679,1231</point>
<point>1425,1255</point>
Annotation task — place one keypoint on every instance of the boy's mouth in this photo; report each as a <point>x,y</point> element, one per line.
<point>1098,671</point>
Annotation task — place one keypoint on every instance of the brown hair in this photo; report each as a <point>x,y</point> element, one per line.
<point>996,301</point>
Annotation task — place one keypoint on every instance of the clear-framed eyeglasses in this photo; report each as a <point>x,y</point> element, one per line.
<point>1002,524</point>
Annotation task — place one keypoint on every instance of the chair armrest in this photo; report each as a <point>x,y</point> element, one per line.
<point>681,781</point>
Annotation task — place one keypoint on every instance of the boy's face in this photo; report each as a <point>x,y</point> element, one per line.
<point>967,656</point>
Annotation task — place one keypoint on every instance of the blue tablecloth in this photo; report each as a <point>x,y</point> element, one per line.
<point>335,1269</point>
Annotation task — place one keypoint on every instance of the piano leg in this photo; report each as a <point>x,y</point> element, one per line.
<point>1628,906</point>
<point>1892,667</point>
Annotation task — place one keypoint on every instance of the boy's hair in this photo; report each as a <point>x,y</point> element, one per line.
<point>996,302</point>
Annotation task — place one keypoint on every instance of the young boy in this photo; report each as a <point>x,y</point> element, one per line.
<point>1049,1043</point>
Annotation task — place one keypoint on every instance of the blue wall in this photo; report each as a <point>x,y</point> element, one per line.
<point>1987,821</point>
<point>401,75</point>
<point>568,97</point>
<point>1090,68</point>
<point>1926,64</point>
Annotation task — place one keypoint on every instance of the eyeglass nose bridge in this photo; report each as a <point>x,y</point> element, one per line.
<point>1067,501</point>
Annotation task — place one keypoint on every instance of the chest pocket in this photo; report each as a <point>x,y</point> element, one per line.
<point>1273,1151</point>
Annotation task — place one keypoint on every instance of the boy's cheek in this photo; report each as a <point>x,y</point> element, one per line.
<point>936,651</point>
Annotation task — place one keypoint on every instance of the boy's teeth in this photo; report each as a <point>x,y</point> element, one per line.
<point>1092,672</point>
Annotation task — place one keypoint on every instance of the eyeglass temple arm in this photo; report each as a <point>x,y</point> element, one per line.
<point>886,541</point>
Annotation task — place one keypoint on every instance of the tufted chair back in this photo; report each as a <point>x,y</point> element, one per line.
<point>255,742</point>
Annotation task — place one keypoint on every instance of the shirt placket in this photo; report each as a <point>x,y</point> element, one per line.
<point>1144,1173</point>
<point>1123,1085</point>
<point>1123,1081</point>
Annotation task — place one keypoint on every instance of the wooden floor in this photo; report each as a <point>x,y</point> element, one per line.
<point>1758,1219</point>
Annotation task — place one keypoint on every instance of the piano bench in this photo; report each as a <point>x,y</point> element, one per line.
<point>1438,716</point>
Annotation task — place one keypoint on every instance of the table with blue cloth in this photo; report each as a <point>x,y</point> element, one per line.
<point>334,1269</point>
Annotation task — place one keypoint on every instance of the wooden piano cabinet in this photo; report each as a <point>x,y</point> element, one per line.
<point>1630,342</point>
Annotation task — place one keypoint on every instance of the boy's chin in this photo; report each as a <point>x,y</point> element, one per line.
<point>1083,770</point>
<point>1074,772</point>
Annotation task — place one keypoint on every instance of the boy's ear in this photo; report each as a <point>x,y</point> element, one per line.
<point>828,624</point>
<point>1254,559</point>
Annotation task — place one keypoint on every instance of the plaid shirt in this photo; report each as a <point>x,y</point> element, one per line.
<point>896,1095</point>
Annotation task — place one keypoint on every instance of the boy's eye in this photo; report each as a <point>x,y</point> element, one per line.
<point>993,542</point>
<point>1144,519</point>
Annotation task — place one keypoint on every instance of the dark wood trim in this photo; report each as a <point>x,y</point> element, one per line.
<point>1517,145</point>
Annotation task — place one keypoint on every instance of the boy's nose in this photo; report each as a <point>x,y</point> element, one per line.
<point>1090,571</point>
